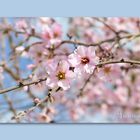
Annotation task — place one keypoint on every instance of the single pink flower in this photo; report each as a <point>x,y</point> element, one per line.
<point>83,59</point>
<point>20,49</point>
<point>57,30</point>
<point>52,35</point>
<point>105,73</point>
<point>47,115</point>
<point>47,33</point>
<point>1,73</point>
<point>38,53</point>
<point>122,94</point>
<point>59,75</point>
<point>21,25</point>
<point>45,20</point>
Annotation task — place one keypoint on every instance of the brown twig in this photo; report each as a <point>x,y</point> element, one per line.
<point>23,113</point>
<point>132,62</point>
<point>98,43</point>
<point>20,85</point>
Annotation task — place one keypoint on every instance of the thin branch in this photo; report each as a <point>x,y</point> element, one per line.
<point>108,26</point>
<point>85,84</point>
<point>22,85</point>
<point>119,61</point>
<point>11,107</point>
<point>98,43</point>
<point>24,113</point>
<point>8,70</point>
<point>132,62</point>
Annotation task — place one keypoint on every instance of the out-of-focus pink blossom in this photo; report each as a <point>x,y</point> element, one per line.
<point>20,49</point>
<point>38,53</point>
<point>105,73</point>
<point>122,95</point>
<point>37,100</point>
<point>1,74</point>
<point>52,35</point>
<point>47,33</point>
<point>25,88</point>
<point>21,25</point>
<point>47,114</point>
<point>31,66</point>
<point>45,20</point>
<point>57,30</point>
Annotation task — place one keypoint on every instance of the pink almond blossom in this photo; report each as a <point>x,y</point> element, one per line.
<point>59,75</point>
<point>83,59</point>
<point>105,73</point>
<point>38,53</point>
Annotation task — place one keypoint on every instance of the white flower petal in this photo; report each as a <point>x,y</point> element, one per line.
<point>82,51</point>
<point>74,60</point>
<point>64,84</point>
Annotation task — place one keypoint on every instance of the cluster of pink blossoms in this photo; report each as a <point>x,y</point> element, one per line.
<point>21,25</point>
<point>52,35</point>
<point>112,87</point>
<point>82,61</point>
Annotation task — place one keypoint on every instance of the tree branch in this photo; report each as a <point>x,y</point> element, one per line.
<point>98,43</point>
<point>119,61</point>
<point>22,85</point>
<point>23,113</point>
<point>132,62</point>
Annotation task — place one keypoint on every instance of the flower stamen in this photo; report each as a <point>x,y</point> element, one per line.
<point>61,75</point>
<point>84,60</point>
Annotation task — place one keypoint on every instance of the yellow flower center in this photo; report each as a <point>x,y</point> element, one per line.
<point>61,75</point>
